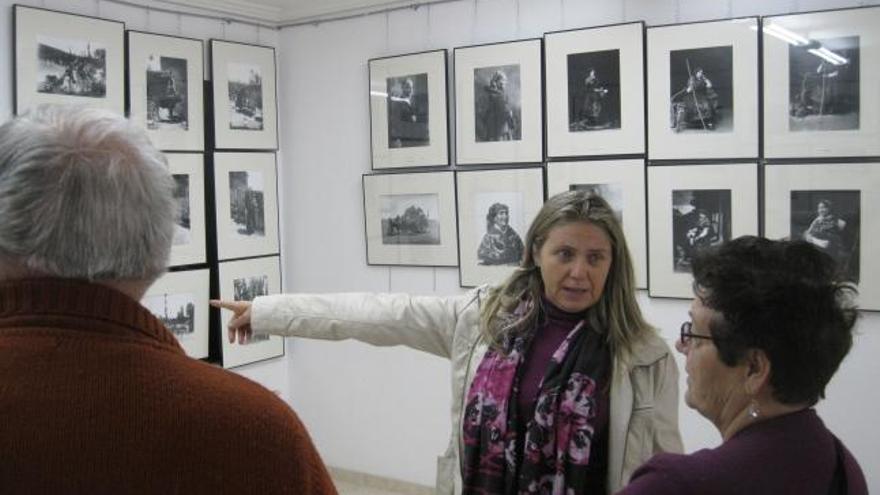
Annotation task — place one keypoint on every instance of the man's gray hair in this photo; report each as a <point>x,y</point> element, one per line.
<point>84,194</point>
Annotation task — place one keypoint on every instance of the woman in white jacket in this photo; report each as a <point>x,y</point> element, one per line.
<point>558,384</point>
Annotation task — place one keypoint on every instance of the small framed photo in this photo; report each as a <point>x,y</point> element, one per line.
<point>692,207</point>
<point>408,122</point>
<point>495,210</point>
<point>68,58</point>
<point>410,219</point>
<point>245,109</point>
<point>622,184</point>
<point>244,280</point>
<point>247,204</point>
<point>498,103</point>
<point>188,171</point>
<point>180,301</point>
<point>703,90</point>
<point>820,84</point>
<point>165,76</point>
<point>595,91</point>
<point>829,206</point>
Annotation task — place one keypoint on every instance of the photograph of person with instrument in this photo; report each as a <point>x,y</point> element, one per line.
<point>701,83</point>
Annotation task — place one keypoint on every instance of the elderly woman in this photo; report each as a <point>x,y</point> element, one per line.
<point>559,385</point>
<point>769,326</point>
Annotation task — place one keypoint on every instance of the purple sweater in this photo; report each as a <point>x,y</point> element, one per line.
<point>794,453</point>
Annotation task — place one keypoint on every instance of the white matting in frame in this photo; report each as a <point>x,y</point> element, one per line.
<point>247,204</point>
<point>691,207</point>
<point>408,121</point>
<point>243,281</point>
<point>68,59</point>
<point>718,118</point>
<point>180,300</point>
<point>846,196</point>
<point>188,171</point>
<point>245,110</point>
<point>165,78</point>
<point>821,74</point>
<point>622,184</point>
<point>605,116</point>
<point>410,219</point>
<point>495,210</point>
<point>498,103</point>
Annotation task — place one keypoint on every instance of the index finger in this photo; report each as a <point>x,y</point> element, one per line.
<point>235,306</point>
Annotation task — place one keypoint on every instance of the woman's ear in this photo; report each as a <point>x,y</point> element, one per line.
<point>757,368</point>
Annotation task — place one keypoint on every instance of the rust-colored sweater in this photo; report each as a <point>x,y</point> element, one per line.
<point>97,397</point>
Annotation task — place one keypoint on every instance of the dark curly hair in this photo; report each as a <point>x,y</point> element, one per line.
<point>784,298</point>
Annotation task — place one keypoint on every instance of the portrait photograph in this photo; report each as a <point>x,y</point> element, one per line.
<point>247,215</point>
<point>701,80</point>
<point>820,97</point>
<point>243,280</point>
<point>68,59</point>
<point>408,116</point>
<point>165,76</point>
<point>179,299</point>
<point>692,208</point>
<point>245,108</point>
<point>495,209</point>
<point>829,205</point>
<point>622,184</point>
<point>188,245</point>
<point>408,111</point>
<point>409,219</point>
<point>594,90</point>
<point>498,103</point>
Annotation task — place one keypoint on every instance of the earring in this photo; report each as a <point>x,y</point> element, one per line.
<point>754,410</point>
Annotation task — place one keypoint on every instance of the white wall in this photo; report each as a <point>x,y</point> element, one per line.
<point>385,411</point>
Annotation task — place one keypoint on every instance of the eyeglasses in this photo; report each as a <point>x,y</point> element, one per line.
<point>687,335</point>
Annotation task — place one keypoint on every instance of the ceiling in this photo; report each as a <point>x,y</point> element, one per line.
<point>286,12</point>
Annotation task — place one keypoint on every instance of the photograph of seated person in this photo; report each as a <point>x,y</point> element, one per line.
<point>501,245</point>
<point>769,326</point>
<point>559,384</point>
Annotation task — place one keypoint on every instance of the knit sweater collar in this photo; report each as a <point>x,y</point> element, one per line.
<point>81,305</point>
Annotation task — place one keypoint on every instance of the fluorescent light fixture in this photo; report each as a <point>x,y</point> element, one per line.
<point>785,35</point>
<point>828,56</point>
<point>381,94</point>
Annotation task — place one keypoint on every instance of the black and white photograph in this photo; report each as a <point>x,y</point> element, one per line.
<point>245,84</point>
<point>410,219</point>
<point>176,310</point>
<point>701,82</point>
<point>594,90</point>
<point>497,103</point>
<point>408,111</point>
<point>610,192</point>
<point>75,67</point>
<point>245,108</point>
<point>824,85</point>
<point>67,59</point>
<point>246,203</point>
<point>167,93</point>
<point>180,300</point>
<point>243,280</point>
<point>700,219</point>
<point>831,221</point>
<point>500,237</point>
<point>183,229</point>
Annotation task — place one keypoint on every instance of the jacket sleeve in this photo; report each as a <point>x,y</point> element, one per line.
<point>667,437</point>
<point>424,323</point>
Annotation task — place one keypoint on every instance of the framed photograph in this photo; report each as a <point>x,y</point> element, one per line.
<point>692,207</point>
<point>498,113</point>
<point>188,171</point>
<point>595,91</point>
<point>68,58</point>
<point>703,90</point>
<point>165,76</point>
<point>244,280</point>
<point>408,123</point>
<point>410,219</point>
<point>830,205</point>
<point>820,84</point>
<point>247,204</point>
<point>245,109</point>
<point>622,184</point>
<point>180,300</point>
<point>495,210</point>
